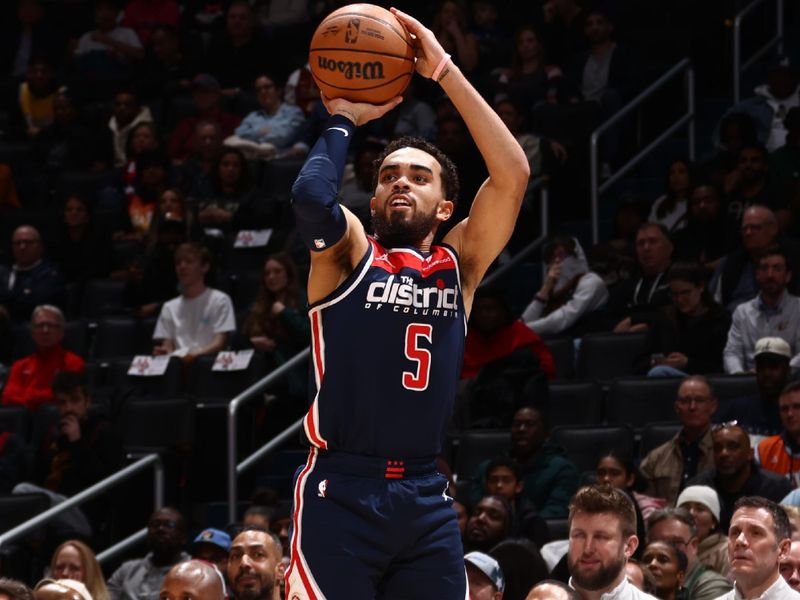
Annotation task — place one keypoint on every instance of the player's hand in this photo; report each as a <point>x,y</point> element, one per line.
<point>359,112</point>
<point>71,428</point>
<point>429,50</point>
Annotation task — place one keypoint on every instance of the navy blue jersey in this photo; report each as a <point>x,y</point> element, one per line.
<point>387,347</point>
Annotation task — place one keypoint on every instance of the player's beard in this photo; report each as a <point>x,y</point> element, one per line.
<point>600,580</point>
<point>393,232</point>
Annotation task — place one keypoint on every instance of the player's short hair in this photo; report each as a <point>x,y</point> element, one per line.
<point>603,498</point>
<point>450,184</point>
<point>676,514</point>
<point>780,520</point>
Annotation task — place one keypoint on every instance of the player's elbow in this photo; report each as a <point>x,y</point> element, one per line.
<point>311,196</point>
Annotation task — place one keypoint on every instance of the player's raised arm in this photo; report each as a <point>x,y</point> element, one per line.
<point>332,233</point>
<point>484,234</point>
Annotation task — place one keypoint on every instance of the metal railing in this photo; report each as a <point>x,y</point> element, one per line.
<point>776,40</point>
<point>683,67</point>
<point>146,462</point>
<point>233,438</point>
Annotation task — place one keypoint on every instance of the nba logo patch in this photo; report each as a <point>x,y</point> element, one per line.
<point>322,489</point>
<point>319,243</point>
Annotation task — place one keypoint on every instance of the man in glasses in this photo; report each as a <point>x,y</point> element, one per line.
<point>142,578</point>
<point>668,467</point>
<point>29,383</point>
<point>676,526</point>
<point>735,473</point>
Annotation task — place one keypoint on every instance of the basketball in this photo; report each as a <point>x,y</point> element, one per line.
<point>362,53</point>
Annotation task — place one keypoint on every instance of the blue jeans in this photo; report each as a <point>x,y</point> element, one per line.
<point>665,371</point>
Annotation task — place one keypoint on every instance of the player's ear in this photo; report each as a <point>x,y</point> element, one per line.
<point>445,209</point>
<point>372,206</point>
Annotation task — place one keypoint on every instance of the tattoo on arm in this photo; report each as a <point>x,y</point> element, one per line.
<point>443,75</point>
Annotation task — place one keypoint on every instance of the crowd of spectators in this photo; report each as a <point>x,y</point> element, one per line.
<point>150,145</point>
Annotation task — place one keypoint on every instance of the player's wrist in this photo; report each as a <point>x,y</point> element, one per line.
<point>344,116</point>
<point>442,67</point>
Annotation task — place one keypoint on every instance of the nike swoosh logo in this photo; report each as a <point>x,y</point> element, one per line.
<point>342,129</point>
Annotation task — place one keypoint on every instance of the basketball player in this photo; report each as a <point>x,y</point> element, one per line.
<point>371,517</point>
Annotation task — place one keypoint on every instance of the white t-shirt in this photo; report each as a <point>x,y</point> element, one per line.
<point>193,322</point>
<point>122,34</point>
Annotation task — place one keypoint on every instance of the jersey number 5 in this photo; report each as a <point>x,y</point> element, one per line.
<point>418,381</point>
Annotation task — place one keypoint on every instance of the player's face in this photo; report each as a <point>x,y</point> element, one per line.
<point>598,550</point>
<point>408,203</point>
<point>252,564</point>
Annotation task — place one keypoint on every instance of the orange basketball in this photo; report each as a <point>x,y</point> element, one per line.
<point>362,53</point>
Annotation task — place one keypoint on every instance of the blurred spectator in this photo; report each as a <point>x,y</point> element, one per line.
<point>513,117</point>
<point>33,109</point>
<point>194,172</point>
<point>227,200</point>
<point>257,516</point>
<point>621,472</point>
<point>676,527</point>
<point>748,184</point>
<point>774,312</point>
<point>277,323</point>
<point>200,319</point>
<point>141,196</point>
<point>68,143</point>
<point>736,129</point>
<point>735,473</point>
<point>563,29</point>
<point>31,378</point>
<point>237,55</point>
<point>550,589</point>
<point>272,130</point>
<point>614,260</point>
<point>302,91</point>
<point>61,589</point>
<point>83,249</point>
<point>670,209</point>
<point>141,579</point>
<point>759,414</point>
<point>504,479</point>
<point>488,525</point>
<point>206,96</point>
<point>143,16</point>
<point>75,560</point>
<point>702,503</point>
<point>484,577</point>
<point>32,34</point>
<point>688,336</point>
<point>15,590</point>
<point>31,280</point>
<point>77,451</point>
<point>194,579</point>
<point>550,478</point>
<point>453,138</point>
<point>453,33</point>
<point>173,207</point>
<point>212,546</point>
<point>107,51</point>
<point>710,232</point>
<point>168,68</point>
<point>734,280</point>
<point>126,115</point>
<point>14,458</point>
<point>280,524</point>
<point>776,453</point>
<point>641,297</point>
<point>771,102</point>
<point>522,565</point>
<point>8,189</point>
<point>357,191</point>
<point>668,567</point>
<point>570,293</point>
<point>790,567</point>
<point>414,117</point>
<point>784,167</point>
<point>668,467</point>
<point>494,42</point>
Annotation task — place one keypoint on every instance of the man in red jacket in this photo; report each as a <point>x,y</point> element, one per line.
<point>30,380</point>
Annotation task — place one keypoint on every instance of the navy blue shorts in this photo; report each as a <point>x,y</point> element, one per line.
<point>365,528</point>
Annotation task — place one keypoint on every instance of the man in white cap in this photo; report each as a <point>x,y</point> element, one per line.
<point>781,453</point>
<point>773,313</point>
<point>758,415</point>
<point>485,577</point>
<point>702,502</point>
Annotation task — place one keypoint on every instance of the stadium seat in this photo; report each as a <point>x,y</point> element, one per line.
<point>474,447</point>
<point>76,336</point>
<point>638,401</point>
<point>563,350</point>
<point>116,337</point>
<point>604,356</point>
<point>730,387</point>
<point>655,434</point>
<point>104,297</point>
<point>157,426</point>
<point>558,528</point>
<point>575,403</point>
<point>15,419</point>
<point>244,288</point>
<point>169,384</point>
<point>85,183</point>
<point>206,385</point>
<point>586,444</point>
<point>18,508</point>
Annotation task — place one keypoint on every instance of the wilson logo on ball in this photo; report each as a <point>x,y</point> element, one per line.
<point>352,70</point>
<point>351,33</point>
